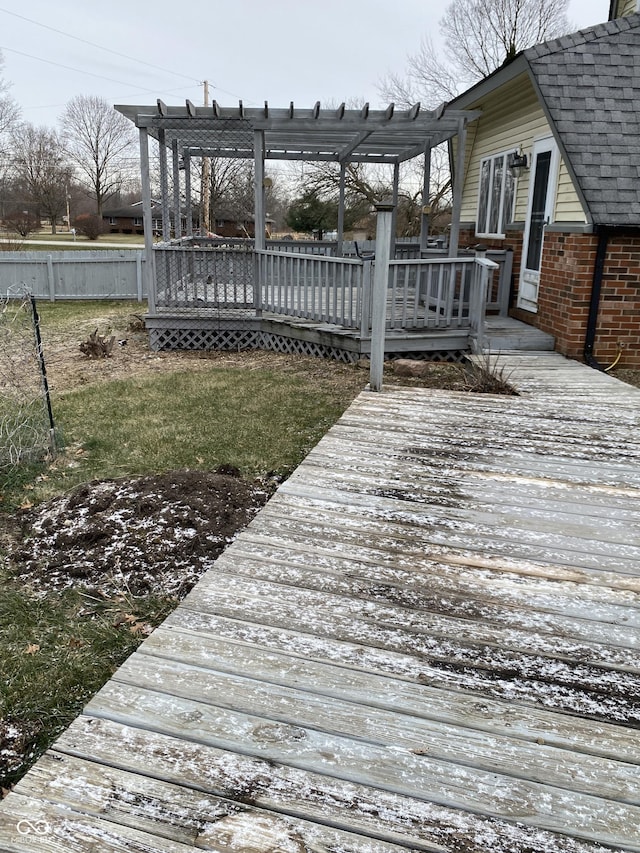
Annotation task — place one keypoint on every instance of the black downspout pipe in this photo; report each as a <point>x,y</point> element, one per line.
<point>594,302</point>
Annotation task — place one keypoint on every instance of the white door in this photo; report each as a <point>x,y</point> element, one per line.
<point>542,194</point>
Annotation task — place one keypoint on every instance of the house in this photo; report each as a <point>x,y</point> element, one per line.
<point>128,218</point>
<point>552,170</point>
<point>226,224</point>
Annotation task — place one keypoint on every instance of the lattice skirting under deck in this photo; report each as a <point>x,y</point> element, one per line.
<point>204,339</point>
<point>227,336</point>
<point>234,339</point>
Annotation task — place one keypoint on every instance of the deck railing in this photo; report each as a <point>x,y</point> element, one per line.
<point>447,293</point>
<point>315,287</point>
<point>436,293</point>
<point>204,278</point>
<point>427,293</point>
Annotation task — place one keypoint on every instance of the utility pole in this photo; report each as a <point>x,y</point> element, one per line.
<point>205,189</point>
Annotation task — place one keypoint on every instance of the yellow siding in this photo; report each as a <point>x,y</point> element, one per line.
<point>627,7</point>
<point>513,118</point>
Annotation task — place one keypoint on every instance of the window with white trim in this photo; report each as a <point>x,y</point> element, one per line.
<point>496,196</point>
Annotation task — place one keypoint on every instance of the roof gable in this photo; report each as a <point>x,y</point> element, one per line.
<point>589,83</point>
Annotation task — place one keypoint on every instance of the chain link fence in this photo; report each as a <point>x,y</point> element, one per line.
<point>26,419</point>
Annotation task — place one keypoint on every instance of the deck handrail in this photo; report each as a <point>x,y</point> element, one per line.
<point>314,287</point>
<point>423,293</point>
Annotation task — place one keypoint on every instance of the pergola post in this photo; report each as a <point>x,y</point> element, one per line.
<point>187,193</point>
<point>425,214</point>
<point>147,219</point>
<point>394,200</point>
<point>175,162</point>
<point>342,187</point>
<point>458,181</point>
<point>164,187</point>
<point>259,212</point>
<point>384,223</point>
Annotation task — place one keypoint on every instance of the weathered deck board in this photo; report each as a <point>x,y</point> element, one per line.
<point>427,640</point>
<point>417,823</point>
<point>406,732</point>
<point>271,656</point>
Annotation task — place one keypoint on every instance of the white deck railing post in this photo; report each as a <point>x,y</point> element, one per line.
<point>384,213</point>
<point>365,304</point>
<point>483,271</point>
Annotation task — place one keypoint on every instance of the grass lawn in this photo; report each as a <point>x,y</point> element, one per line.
<point>44,241</point>
<point>149,413</point>
<point>134,240</point>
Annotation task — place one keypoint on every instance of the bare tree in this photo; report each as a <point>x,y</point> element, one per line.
<point>42,170</point>
<point>98,140</point>
<point>9,117</point>
<point>479,36</point>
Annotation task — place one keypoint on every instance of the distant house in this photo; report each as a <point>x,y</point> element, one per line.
<point>227,224</point>
<point>128,219</point>
<point>553,172</point>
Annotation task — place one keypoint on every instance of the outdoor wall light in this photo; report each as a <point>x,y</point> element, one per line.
<point>517,162</point>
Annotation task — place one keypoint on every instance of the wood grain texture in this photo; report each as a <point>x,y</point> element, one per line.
<point>427,640</point>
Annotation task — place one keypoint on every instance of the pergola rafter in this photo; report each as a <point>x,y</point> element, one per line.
<point>387,136</point>
<point>366,134</point>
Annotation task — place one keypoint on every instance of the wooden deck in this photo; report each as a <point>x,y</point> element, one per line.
<point>427,640</point>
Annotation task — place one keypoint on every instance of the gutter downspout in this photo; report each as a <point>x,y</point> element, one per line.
<point>594,301</point>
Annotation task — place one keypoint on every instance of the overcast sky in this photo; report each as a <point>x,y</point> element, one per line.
<point>256,50</point>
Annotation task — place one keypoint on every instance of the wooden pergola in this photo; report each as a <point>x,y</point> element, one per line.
<point>390,136</point>
<point>208,292</point>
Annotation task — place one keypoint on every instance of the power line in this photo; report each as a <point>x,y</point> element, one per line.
<point>139,92</point>
<point>69,68</point>
<point>92,74</point>
<point>108,50</point>
<point>99,46</point>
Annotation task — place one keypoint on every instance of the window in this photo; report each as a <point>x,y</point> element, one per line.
<point>113,220</point>
<point>137,221</point>
<point>496,196</point>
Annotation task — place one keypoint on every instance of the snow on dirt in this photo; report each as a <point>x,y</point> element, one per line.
<point>154,534</point>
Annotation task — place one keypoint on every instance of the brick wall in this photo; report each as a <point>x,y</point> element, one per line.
<point>619,316</point>
<point>565,291</point>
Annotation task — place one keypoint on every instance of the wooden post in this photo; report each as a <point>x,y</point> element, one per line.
<point>205,183</point>
<point>458,181</point>
<point>139,289</point>
<point>259,220</point>
<point>259,242</point>
<point>147,220</point>
<point>51,279</point>
<point>384,223</point>
<point>164,187</point>
<point>425,215</point>
<point>394,198</point>
<point>343,176</point>
<point>187,193</point>
<point>365,307</point>
<point>175,162</point>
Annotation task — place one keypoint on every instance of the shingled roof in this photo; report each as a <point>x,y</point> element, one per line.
<point>589,86</point>
<point>589,83</point>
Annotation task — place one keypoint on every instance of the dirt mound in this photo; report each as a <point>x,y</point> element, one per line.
<point>154,534</point>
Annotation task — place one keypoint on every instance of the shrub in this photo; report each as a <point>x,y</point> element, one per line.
<point>22,222</point>
<point>89,225</point>
<point>483,375</point>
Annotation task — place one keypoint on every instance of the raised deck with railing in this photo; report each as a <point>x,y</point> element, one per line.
<point>225,293</point>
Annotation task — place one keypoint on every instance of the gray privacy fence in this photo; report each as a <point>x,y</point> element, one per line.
<point>94,274</point>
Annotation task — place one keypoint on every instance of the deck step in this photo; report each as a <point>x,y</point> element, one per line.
<point>508,334</point>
